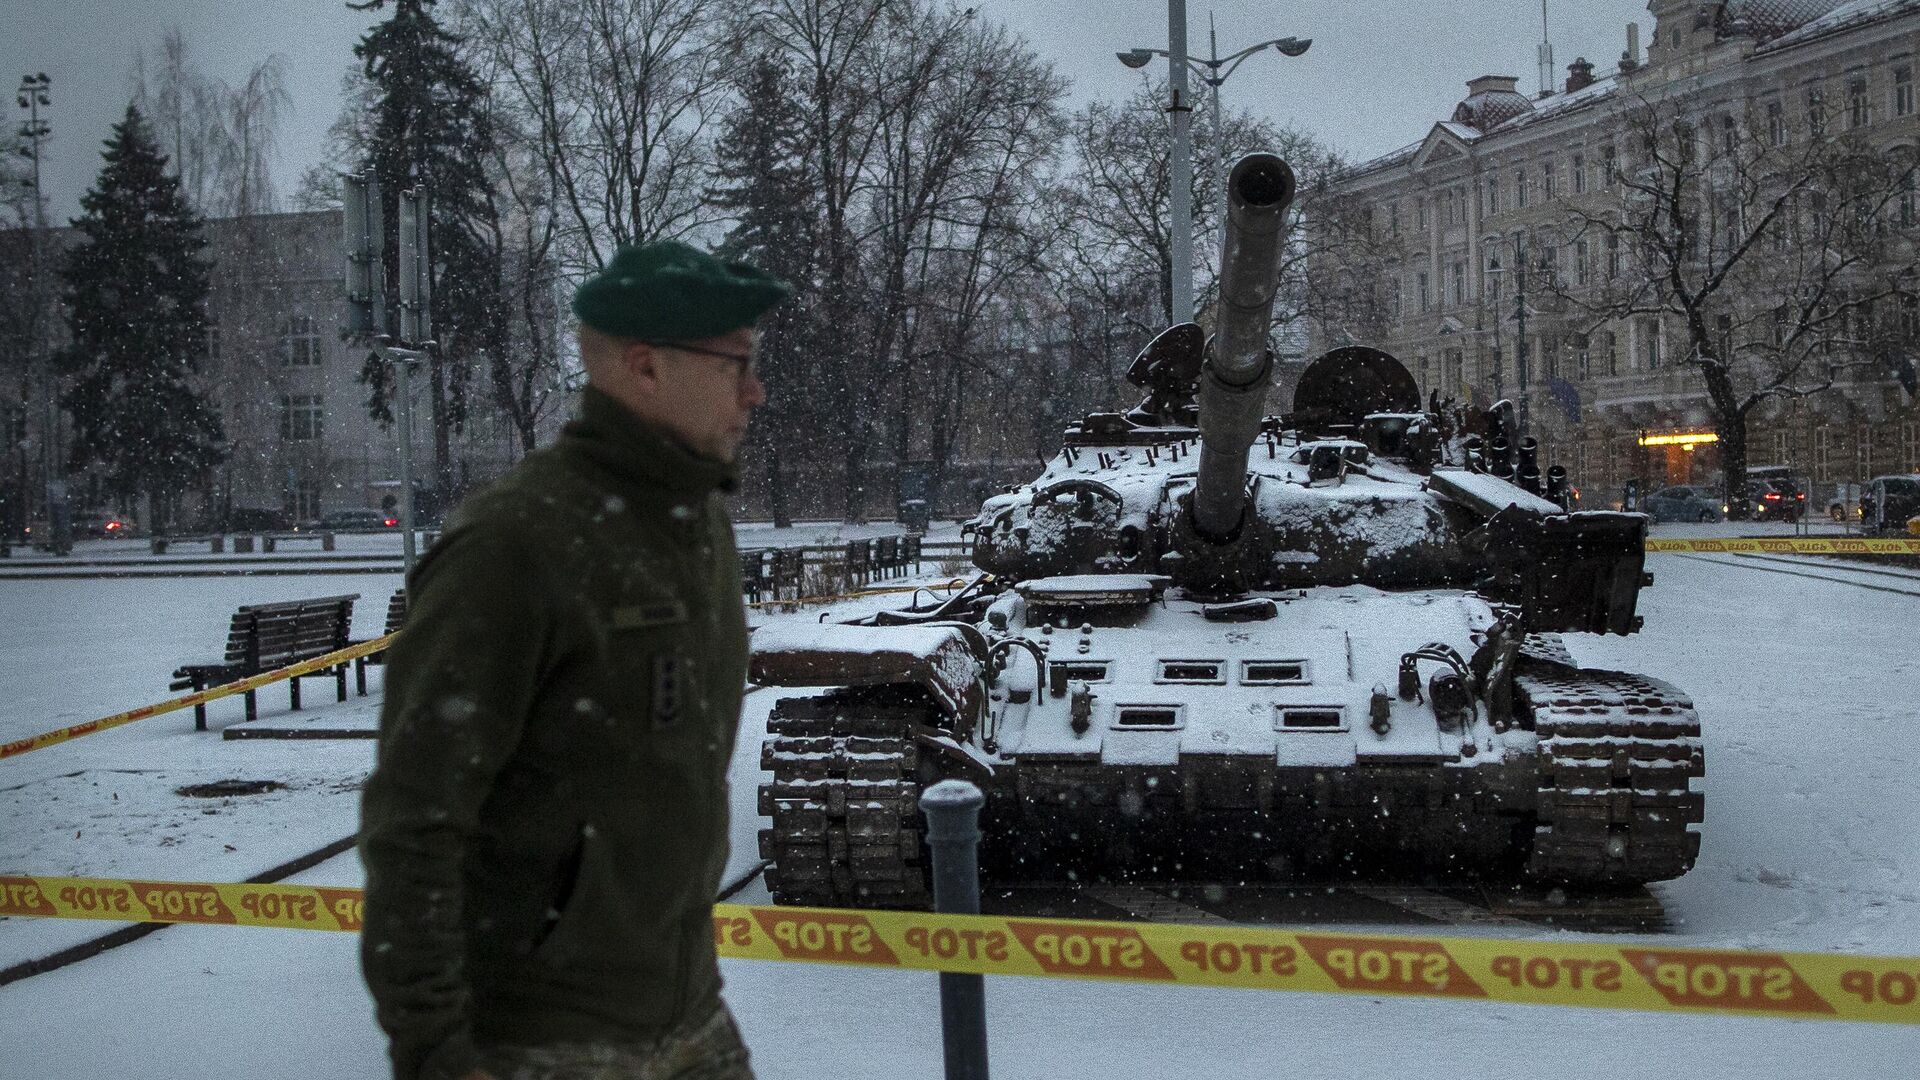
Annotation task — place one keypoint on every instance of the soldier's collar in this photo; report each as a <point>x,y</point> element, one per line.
<point>610,433</point>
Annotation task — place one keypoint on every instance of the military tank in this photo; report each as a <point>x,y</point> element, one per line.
<point>1208,643</point>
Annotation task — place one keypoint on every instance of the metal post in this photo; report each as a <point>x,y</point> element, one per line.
<point>403,361</point>
<point>1219,129</point>
<point>1181,227</point>
<point>1520,332</point>
<point>953,833</point>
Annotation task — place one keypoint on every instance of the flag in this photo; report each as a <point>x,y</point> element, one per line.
<point>1567,396</point>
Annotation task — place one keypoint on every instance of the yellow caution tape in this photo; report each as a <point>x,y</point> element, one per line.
<point>1797,545</point>
<point>252,682</point>
<point>1627,976</point>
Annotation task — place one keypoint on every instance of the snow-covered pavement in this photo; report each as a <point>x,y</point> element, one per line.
<point>1809,692</point>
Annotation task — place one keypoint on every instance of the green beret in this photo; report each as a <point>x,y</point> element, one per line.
<point>668,292</point>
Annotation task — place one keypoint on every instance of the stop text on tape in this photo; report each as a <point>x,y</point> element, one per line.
<point>1791,545</point>
<point>1627,976</point>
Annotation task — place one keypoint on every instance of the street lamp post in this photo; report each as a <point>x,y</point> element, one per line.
<point>37,91</point>
<point>1208,71</point>
<point>1520,327</point>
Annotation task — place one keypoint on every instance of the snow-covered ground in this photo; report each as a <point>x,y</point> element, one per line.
<point>1807,690</point>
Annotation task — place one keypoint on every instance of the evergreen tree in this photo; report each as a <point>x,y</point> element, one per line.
<point>430,127</point>
<point>136,305</point>
<point>761,152</point>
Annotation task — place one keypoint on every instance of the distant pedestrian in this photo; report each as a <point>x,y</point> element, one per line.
<point>546,825</point>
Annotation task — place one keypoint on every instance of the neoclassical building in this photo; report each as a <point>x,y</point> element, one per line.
<point>1506,173</point>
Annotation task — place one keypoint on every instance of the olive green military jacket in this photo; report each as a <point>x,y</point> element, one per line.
<point>546,824</point>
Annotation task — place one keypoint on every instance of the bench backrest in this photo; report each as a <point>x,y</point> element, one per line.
<point>266,636</point>
<point>396,611</point>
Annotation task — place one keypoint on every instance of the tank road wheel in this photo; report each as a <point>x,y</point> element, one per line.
<point>844,802</point>
<point>1618,754</point>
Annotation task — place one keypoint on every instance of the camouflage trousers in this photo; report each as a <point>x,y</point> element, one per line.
<point>711,1050</point>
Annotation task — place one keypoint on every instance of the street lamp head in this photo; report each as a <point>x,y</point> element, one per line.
<point>1292,46</point>
<point>1136,58</point>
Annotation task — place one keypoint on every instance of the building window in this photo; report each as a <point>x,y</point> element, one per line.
<point>1910,435</point>
<point>1650,344</point>
<point>299,343</point>
<point>1816,113</point>
<point>1857,111</point>
<point>1420,212</point>
<point>1393,219</point>
<point>300,417</point>
<point>1903,90</point>
<point>1613,256</point>
<point>1393,299</point>
<point>1580,262</point>
<point>1520,189</point>
<point>1822,454</point>
<point>1609,167</point>
<point>1424,286</point>
<point>1729,134</point>
<point>1611,343</point>
<point>1782,448</point>
<point>1582,357</point>
<point>1459,272</point>
<point>1776,123</point>
<point>1863,452</point>
<point>301,499</point>
<point>1579,171</point>
<point>1547,185</point>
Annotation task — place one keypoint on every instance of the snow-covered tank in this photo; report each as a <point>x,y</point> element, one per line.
<point>1210,643</point>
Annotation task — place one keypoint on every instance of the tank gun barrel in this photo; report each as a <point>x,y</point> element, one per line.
<point>1239,367</point>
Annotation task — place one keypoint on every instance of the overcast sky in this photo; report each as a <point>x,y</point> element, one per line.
<point>1379,74</point>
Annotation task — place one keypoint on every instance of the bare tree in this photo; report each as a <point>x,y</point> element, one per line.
<point>614,98</point>
<point>220,140</point>
<point>1119,195</point>
<point>1784,252</point>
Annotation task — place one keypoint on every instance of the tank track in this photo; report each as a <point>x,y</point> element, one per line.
<point>1618,754</point>
<point>844,803</point>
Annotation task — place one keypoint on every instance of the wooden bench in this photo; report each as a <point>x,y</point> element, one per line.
<point>396,618</point>
<point>263,637</point>
<point>216,542</point>
<point>756,577</point>
<point>268,541</point>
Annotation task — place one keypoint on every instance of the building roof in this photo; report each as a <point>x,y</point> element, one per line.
<point>1779,24</point>
<point>1491,101</point>
<point>1843,16</point>
<point>1765,20</point>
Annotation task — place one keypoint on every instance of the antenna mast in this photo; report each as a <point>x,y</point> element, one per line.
<point>1546,55</point>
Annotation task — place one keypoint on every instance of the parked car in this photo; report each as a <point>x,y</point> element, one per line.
<point>100,523</point>
<point>358,521</point>
<point>1890,503</point>
<point>1685,502</point>
<point>1776,500</point>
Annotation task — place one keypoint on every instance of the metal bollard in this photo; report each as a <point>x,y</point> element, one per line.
<point>953,833</point>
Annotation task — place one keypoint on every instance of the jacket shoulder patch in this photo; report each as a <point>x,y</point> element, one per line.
<point>642,616</point>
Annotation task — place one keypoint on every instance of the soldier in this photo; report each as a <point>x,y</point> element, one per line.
<point>546,825</point>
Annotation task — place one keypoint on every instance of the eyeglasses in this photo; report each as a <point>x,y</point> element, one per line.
<point>743,362</point>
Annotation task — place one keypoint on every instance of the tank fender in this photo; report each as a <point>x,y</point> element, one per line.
<point>940,659</point>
